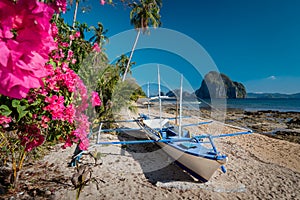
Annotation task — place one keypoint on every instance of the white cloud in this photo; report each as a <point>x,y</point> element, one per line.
<point>281,84</point>
<point>272,78</point>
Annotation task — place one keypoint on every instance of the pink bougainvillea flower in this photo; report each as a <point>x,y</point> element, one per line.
<point>80,134</point>
<point>64,66</point>
<point>45,121</point>
<point>54,30</point>
<point>96,101</point>
<point>31,137</point>
<point>4,120</point>
<point>25,43</point>
<point>81,96</point>
<point>96,47</point>
<point>68,142</point>
<point>77,34</point>
<point>70,54</point>
<point>82,130</point>
<point>73,61</point>
<point>64,44</point>
<point>84,144</point>
<point>70,113</point>
<point>56,107</point>
<point>59,5</point>
<point>71,37</point>
<point>102,2</point>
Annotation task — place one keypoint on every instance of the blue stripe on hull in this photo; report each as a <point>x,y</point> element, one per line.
<point>212,156</point>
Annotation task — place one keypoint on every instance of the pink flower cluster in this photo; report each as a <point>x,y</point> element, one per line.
<point>31,137</point>
<point>76,35</point>
<point>96,47</point>
<point>59,5</point>
<point>61,77</point>
<point>81,120</point>
<point>58,79</point>
<point>96,101</point>
<point>25,42</point>
<point>45,121</point>
<point>58,110</point>
<point>102,2</point>
<point>81,95</point>
<point>56,106</point>
<point>4,120</point>
<point>81,133</point>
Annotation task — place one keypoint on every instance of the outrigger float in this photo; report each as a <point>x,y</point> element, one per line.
<point>197,154</point>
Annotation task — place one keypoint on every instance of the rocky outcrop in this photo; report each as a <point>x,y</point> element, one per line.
<point>293,123</point>
<point>241,90</point>
<point>185,95</point>
<point>216,85</point>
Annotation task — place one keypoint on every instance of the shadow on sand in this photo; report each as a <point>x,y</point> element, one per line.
<point>157,166</point>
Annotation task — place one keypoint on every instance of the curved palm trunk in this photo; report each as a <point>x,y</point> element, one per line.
<point>75,13</point>
<point>131,54</point>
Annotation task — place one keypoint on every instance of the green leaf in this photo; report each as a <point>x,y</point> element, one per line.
<point>52,63</point>
<point>22,112</point>
<point>58,136</point>
<point>37,102</point>
<point>4,110</point>
<point>24,101</point>
<point>15,103</point>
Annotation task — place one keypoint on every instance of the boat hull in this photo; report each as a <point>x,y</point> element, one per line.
<point>199,162</point>
<point>200,167</point>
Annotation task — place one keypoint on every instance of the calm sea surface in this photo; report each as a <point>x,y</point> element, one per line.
<point>283,105</point>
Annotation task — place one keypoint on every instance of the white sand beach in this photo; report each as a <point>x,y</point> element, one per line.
<point>259,167</point>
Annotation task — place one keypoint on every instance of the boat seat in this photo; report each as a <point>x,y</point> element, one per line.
<point>188,145</point>
<point>170,133</point>
<point>156,123</point>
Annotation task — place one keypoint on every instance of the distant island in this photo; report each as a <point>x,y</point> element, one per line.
<point>218,85</point>
<point>272,95</point>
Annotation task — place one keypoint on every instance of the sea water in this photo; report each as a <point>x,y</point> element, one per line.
<point>247,104</point>
<point>255,104</point>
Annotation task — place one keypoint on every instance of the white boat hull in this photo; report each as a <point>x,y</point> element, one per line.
<point>196,164</point>
<point>200,167</point>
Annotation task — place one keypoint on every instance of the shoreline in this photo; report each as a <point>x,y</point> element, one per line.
<point>259,167</point>
<point>246,104</point>
<point>276,124</point>
<point>283,125</point>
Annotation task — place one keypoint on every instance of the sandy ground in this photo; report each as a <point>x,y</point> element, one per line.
<point>259,167</point>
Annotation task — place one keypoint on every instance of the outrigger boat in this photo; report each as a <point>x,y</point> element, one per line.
<point>189,151</point>
<point>197,154</point>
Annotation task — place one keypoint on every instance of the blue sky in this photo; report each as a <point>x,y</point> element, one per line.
<point>255,42</point>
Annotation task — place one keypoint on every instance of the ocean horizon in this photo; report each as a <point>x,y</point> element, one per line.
<point>247,104</point>
<point>257,104</point>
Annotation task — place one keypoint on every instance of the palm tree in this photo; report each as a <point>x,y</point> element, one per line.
<point>143,15</point>
<point>76,10</point>
<point>99,34</point>
<point>121,64</point>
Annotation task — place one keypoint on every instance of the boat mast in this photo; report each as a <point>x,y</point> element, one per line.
<point>160,115</point>
<point>148,94</point>
<point>180,107</point>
